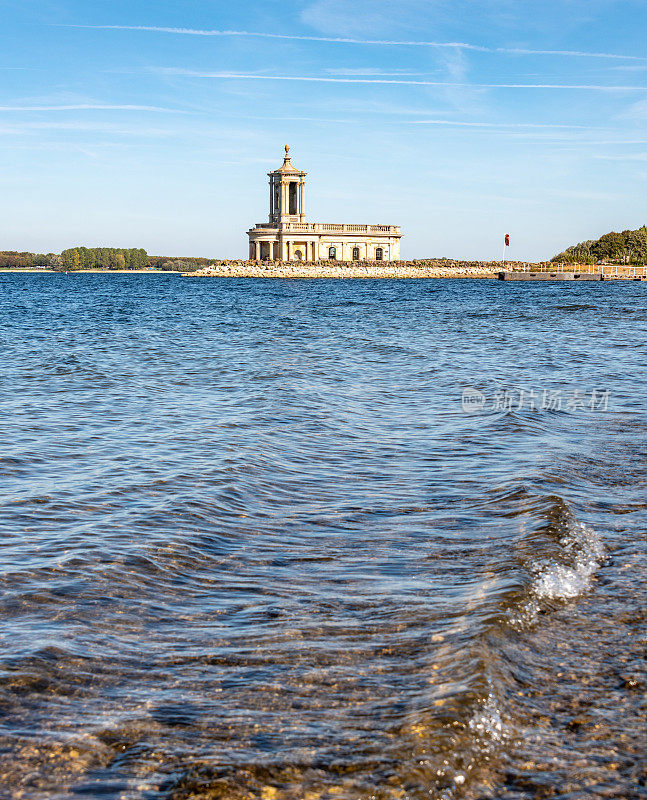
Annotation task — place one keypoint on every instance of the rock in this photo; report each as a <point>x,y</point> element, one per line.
<point>577,722</point>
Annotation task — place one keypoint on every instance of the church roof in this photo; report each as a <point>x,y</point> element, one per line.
<point>287,164</point>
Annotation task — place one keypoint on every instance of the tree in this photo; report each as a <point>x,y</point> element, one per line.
<point>627,246</point>
<point>636,244</point>
<point>610,247</point>
<point>71,258</point>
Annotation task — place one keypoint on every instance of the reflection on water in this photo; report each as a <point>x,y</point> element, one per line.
<point>253,548</point>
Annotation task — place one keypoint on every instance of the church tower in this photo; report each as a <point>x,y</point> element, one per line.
<point>288,237</point>
<point>287,193</point>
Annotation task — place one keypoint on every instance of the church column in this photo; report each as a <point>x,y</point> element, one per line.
<point>289,251</point>
<point>271,199</point>
<point>301,199</point>
<point>285,205</point>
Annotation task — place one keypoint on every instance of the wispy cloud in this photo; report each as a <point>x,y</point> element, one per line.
<point>625,157</point>
<point>468,124</point>
<point>347,40</point>
<point>460,94</point>
<point>91,107</point>
<point>190,73</point>
<point>637,111</point>
<point>23,127</point>
<point>373,71</point>
<point>572,53</point>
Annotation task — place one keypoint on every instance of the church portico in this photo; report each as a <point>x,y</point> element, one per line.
<point>288,237</point>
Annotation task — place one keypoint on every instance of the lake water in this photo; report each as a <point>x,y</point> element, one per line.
<point>252,545</point>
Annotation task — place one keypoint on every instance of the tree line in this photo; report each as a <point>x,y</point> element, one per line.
<point>79,258</point>
<point>12,259</point>
<point>178,264</point>
<point>104,258</point>
<point>627,247</point>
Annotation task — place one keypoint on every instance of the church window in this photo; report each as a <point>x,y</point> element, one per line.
<point>293,198</point>
<point>355,253</point>
<point>332,253</point>
<point>379,254</point>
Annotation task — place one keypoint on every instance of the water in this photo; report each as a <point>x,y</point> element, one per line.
<point>252,547</point>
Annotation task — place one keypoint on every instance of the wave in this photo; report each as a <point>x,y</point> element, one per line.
<point>561,559</point>
<point>558,581</point>
<point>556,560</point>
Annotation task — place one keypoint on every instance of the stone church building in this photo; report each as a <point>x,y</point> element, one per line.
<point>288,237</point>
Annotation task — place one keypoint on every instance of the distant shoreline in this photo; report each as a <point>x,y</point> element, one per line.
<point>94,271</point>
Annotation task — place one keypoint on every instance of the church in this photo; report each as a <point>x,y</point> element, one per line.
<point>288,237</point>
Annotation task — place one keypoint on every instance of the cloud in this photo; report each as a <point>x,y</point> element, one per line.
<point>572,53</point>
<point>469,124</point>
<point>90,107</point>
<point>351,40</point>
<point>627,157</point>
<point>461,95</point>
<point>22,128</point>
<point>637,111</point>
<point>375,71</point>
<point>190,73</point>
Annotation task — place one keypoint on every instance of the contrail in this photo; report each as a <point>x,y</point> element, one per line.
<point>523,125</point>
<point>389,82</point>
<point>346,40</point>
<point>88,107</point>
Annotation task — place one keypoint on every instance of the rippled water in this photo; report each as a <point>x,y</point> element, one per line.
<point>252,547</point>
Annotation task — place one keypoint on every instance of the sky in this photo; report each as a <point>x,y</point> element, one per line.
<point>154,124</point>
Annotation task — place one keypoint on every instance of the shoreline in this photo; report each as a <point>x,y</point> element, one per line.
<point>417,269</point>
<point>93,271</point>
<point>371,270</point>
<point>349,269</point>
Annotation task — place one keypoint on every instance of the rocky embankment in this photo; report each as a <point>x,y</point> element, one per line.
<point>428,268</point>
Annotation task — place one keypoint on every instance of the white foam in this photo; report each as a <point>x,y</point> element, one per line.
<point>559,581</point>
<point>487,722</point>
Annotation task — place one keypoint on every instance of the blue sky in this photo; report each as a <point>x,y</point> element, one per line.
<point>142,124</point>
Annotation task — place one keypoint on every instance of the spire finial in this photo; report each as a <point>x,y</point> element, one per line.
<point>287,150</point>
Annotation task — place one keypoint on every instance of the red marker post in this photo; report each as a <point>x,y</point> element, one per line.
<point>506,243</point>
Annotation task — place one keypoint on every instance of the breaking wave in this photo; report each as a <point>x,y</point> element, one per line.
<point>559,581</point>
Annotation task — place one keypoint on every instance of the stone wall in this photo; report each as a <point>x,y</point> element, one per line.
<point>429,268</point>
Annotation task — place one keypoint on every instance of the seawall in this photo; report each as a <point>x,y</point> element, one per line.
<point>440,268</point>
